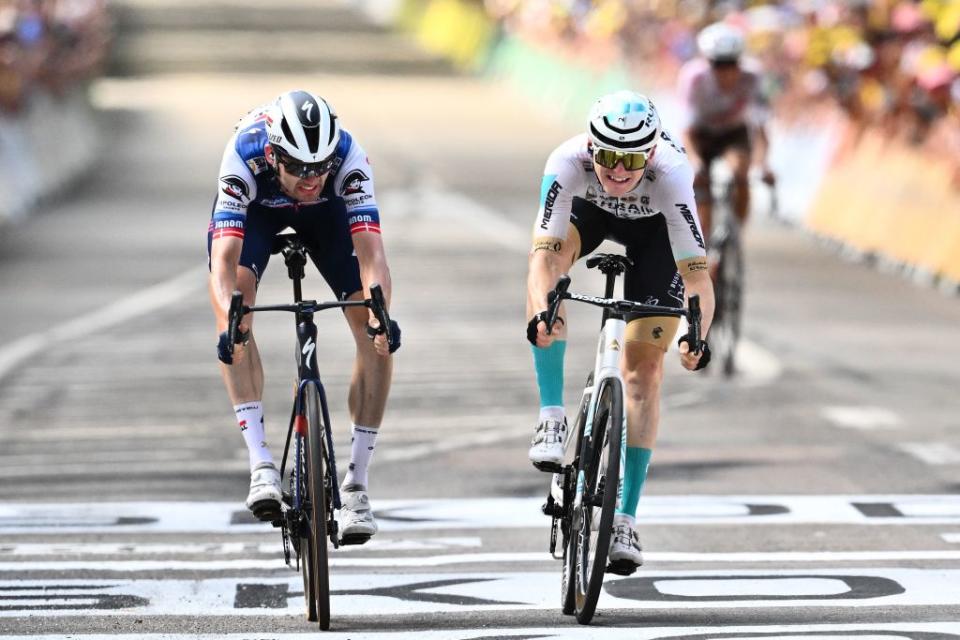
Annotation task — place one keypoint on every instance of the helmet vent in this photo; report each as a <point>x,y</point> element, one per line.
<point>287,133</point>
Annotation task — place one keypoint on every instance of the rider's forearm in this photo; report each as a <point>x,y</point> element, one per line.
<point>224,259</point>
<point>377,273</point>
<point>545,270</point>
<point>699,283</point>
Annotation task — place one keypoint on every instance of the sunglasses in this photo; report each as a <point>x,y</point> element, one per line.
<point>632,160</point>
<point>305,169</point>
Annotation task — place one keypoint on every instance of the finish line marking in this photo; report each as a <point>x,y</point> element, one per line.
<point>486,513</point>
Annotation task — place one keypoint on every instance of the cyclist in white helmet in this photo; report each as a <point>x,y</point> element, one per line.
<point>624,180</point>
<point>290,164</point>
<point>728,115</point>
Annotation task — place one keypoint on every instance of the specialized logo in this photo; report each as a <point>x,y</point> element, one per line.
<point>691,222</point>
<point>549,190</point>
<point>235,187</point>
<point>353,183</point>
<point>307,109</point>
<point>308,349</point>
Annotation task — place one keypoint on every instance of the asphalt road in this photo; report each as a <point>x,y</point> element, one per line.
<point>815,495</point>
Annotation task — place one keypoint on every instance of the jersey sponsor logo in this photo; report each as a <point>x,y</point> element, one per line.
<point>353,183</point>
<point>549,190</point>
<point>226,225</point>
<point>364,222</point>
<point>691,221</point>
<point>626,207</point>
<point>235,187</point>
<point>258,165</point>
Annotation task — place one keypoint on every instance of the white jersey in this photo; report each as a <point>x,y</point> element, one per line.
<point>716,110</point>
<point>665,190</point>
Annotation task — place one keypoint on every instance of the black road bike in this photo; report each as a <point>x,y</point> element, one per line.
<point>583,495</point>
<point>311,496</point>
<point>726,252</point>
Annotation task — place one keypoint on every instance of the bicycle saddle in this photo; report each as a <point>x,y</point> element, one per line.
<point>285,242</point>
<point>609,263</point>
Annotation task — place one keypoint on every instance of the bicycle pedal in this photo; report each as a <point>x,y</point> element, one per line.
<point>267,511</point>
<point>622,568</point>
<point>354,538</point>
<point>549,467</point>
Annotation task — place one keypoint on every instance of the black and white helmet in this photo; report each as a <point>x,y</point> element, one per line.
<point>721,42</point>
<point>624,121</point>
<point>303,126</point>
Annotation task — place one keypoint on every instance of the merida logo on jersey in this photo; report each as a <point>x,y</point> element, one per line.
<point>549,199</point>
<point>691,221</point>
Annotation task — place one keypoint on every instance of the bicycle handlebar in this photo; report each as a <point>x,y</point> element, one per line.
<point>691,313</point>
<point>237,310</point>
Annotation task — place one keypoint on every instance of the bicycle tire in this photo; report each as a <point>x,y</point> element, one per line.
<point>600,465</point>
<point>566,583</point>
<point>729,294</point>
<point>305,545</point>
<point>319,507</point>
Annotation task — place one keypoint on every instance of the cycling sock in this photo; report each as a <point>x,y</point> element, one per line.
<point>361,451</point>
<point>634,475</point>
<point>548,363</point>
<point>250,419</point>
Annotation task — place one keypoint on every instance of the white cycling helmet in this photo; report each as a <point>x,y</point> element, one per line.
<point>721,42</point>
<point>303,126</point>
<point>624,121</point>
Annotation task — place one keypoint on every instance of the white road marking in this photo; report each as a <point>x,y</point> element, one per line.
<point>35,550</point>
<point>864,418</point>
<point>95,565</point>
<point>118,312</point>
<point>398,594</point>
<point>933,453</point>
<point>952,538</point>
<point>877,631</point>
<point>484,513</point>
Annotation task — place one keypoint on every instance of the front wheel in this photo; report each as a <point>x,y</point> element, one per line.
<point>568,583</point>
<point>725,331</point>
<point>598,479</point>
<point>317,474</point>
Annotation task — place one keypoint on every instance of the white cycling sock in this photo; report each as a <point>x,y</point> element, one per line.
<point>250,419</point>
<point>551,413</point>
<point>361,451</point>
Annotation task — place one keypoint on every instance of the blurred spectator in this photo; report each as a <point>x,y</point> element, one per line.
<point>49,45</point>
<point>889,64</point>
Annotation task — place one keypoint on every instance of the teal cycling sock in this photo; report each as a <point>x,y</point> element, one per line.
<point>634,475</point>
<point>549,366</point>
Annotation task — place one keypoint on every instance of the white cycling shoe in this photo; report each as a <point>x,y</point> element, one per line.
<point>265,494</point>
<point>625,554</point>
<point>547,449</point>
<point>357,524</point>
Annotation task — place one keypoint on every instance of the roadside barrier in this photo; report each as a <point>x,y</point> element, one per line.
<point>43,148</point>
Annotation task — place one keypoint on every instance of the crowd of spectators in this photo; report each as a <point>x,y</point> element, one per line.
<point>890,65</point>
<point>49,46</point>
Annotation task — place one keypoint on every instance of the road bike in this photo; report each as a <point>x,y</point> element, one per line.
<point>584,494</point>
<point>726,252</point>
<point>311,496</point>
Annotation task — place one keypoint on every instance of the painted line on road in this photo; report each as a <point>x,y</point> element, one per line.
<point>118,312</point>
<point>952,538</point>
<point>418,593</point>
<point>483,513</point>
<point>933,453</point>
<point>863,418</point>
<point>862,631</point>
<point>96,565</point>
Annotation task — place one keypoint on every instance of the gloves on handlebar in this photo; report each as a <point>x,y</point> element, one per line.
<point>394,334</point>
<point>532,326</point>
<point>225,349</point>
<point>704,352</point>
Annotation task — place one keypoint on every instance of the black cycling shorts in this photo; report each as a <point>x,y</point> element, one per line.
<point>654,278</point>
<point>323,228</point>
<point>710,145</point>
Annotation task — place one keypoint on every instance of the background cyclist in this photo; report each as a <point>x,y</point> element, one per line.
<point>728,114</point>
<point>624,180</point>
<point>289,163</point>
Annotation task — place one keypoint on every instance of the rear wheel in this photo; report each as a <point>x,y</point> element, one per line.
<point>318,505</point>
<point>599,473</point>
